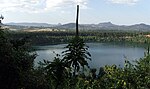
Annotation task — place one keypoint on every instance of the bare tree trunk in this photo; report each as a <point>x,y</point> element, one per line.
<point>77,30</point>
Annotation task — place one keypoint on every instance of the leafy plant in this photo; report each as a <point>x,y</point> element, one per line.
<point>56,71</point>
<point>76,55</point>
<point>15,61</point>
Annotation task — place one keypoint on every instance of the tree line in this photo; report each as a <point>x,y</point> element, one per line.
<point>57,37</point>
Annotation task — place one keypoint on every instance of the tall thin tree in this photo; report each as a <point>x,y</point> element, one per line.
<point>77,30</point>
<point>77,53</point>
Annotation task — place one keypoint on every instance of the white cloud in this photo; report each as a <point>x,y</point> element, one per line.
<point>50,4</point>
<point>38,5</point>
<point>124,1</point>
<point>21,5</point>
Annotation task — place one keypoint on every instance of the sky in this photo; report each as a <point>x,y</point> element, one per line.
<point>121,12</point>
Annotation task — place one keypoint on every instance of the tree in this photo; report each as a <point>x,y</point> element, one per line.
<point>143,72</point>
<point>56,71</point>
<point>15,61</point>
<point>76,54</point>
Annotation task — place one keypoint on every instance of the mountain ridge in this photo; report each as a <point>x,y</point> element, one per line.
<point>99,26</point>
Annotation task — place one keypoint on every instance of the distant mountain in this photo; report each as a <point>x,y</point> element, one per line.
<point>31,24</point>
<point>71,26</point>
<point>107,26</point>
<point>141,26</point>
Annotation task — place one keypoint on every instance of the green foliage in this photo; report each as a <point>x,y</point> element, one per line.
<point>57,37</point>
<point>17,71</point>
<point>15,61</point>
<point>135,76</point>
<point>76,54</point>
<point>56,71</point>
<point>143,72</point>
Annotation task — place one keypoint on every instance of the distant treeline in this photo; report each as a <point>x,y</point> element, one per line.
<point>57,37</point>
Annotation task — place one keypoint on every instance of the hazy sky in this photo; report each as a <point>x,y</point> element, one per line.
<point>64,11</point>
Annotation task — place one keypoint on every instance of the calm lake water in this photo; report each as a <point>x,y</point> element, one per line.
<point>102,53</point>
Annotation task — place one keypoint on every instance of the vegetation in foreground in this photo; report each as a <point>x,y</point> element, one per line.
<point>17,70</point>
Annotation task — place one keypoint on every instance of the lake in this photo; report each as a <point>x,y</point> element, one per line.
<point>102,53</point>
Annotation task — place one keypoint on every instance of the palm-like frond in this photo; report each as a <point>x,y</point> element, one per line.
<point>76,54</point>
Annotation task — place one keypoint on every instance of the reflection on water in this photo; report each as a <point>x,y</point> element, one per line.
<point>102,53</point>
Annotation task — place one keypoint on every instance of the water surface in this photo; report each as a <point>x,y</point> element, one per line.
<point>102,53</point>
